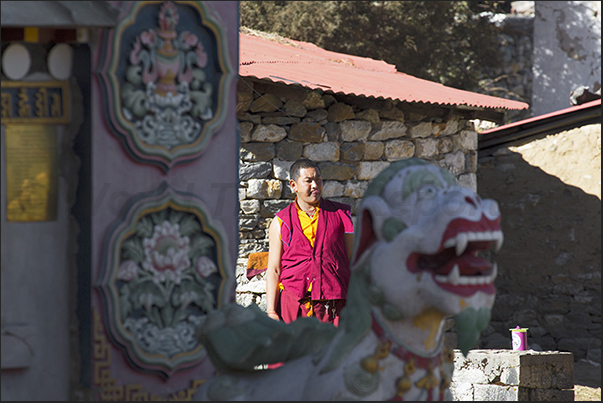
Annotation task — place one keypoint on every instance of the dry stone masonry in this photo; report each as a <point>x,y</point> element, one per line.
<point>352,139</point>
<point>549,192</point>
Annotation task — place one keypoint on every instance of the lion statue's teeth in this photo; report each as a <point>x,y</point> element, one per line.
<point>455,278</point>
<point>461,240</point>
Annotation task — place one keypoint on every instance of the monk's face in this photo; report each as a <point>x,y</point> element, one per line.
<point>308,186</point>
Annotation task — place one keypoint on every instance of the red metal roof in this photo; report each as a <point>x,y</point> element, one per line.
<point>524,131</point>
<point>546,116</point>
<point>305,64</point>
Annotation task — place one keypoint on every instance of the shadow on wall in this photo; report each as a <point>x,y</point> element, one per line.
<point>550,264</point>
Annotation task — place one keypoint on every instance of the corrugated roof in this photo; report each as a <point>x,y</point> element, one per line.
<point>523,131</point>
<point>303,63</point>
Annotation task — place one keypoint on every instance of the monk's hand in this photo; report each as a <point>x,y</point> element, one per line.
<point>273,315</point>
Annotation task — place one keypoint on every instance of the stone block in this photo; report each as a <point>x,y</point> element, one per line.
<point>352,151</point>
<point>322,152</point>
<point>550,395</point>
<point>354,130</point>
<point>266,103</point>
<point>289,150</point>
<point>256,152</point>
<point>307,132</point>
<point>388,130</point>
<point>339,112</point>
<point>507,393</point>
<point>268,133</point>
<point>546,370</point>
<point>513,375</point>
<point>280,169</point>
<point>500,393</point>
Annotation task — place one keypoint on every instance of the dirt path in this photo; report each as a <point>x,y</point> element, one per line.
<point>587,381</point>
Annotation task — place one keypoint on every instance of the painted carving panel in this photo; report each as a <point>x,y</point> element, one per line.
<point>165,72</point>
<point>165,267</point>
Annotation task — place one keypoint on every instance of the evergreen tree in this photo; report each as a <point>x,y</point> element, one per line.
<point>443,41</point>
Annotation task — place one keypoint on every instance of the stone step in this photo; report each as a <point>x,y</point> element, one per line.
<point>510,375</point>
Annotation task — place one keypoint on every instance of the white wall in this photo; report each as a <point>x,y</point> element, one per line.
<point>567,52</point>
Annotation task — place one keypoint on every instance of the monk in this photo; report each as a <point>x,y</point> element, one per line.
<point>309,251</point>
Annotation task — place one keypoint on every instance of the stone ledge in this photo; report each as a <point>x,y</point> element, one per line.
<point>510,375</point>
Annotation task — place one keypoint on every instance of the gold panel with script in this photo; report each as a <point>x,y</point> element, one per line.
<point>31,173</point>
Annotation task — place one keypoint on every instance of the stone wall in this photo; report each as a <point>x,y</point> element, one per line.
<point>550,264</point>
<point>549,193</point>
<point>351,138</point>
<point>567,52</point>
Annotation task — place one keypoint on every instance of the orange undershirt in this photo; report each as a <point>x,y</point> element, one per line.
<point>308,225</point>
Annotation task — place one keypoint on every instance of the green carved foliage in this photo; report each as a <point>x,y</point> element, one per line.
<point>164,236</point>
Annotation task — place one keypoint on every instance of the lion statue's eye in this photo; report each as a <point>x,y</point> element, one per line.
<point>427,191</point>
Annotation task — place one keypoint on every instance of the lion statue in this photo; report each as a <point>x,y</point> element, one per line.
<point>420,258</point>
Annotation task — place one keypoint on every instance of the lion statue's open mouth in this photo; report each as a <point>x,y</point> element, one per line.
<point>457,266</point>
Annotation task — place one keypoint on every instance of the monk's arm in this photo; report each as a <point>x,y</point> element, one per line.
<point>273,272</point>
<point>349,244</point>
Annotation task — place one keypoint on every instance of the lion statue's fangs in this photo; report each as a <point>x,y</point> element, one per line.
<point>420,257</point>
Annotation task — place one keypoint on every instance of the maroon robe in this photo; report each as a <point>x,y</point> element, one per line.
<point>325,266</point>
